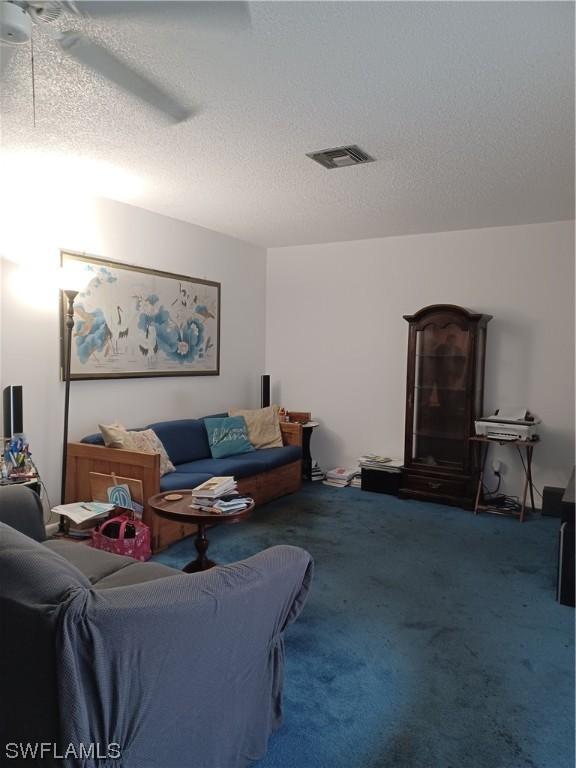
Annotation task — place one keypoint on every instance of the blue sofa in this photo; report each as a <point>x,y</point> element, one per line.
<point>263,474</point>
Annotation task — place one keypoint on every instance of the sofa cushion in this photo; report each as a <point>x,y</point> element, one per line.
<point>228,436</point>
<point>182,478</point>
<point>144,440</point>
<point>97,439</point>
<point>223,467</point>
<point>93,439</point>
<point>270,458</point>
<point>93,563</point>
<point>136,573</point>
<point>263,426</point>
<point>184,439</point>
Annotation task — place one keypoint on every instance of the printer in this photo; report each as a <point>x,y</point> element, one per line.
<point>508,424</point>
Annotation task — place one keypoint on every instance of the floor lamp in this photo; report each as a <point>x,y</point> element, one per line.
<point>69,325</point>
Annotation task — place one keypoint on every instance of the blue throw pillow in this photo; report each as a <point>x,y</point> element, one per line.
<point>228,436</point>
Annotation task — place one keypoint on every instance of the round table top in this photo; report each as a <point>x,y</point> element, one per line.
<point>181,510</point>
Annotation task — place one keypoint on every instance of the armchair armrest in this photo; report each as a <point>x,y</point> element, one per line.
<point>21,508</point>
<point>84,458</point>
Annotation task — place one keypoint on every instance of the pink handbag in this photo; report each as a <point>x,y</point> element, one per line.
<point>123,536</point>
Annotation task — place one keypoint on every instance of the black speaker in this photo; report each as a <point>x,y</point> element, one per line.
<point>552,501</point>
<point>265,391</point>
<point>13,421</point>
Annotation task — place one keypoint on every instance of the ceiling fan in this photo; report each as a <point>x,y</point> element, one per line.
<point>17,18</point>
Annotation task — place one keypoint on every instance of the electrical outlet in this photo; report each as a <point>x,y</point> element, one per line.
<point>496,466</point>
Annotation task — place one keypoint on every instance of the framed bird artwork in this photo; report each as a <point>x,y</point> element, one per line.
<point>132,321</point>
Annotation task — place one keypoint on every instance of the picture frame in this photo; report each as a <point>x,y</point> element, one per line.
<point>135,322</point>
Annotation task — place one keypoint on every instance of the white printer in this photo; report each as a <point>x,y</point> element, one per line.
<point>508,424</point>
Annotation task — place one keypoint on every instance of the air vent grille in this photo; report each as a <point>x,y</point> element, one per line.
<point>45,12</point>
<point>340,157</point>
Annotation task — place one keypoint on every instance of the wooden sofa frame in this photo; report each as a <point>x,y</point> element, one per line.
<point>84,458</point>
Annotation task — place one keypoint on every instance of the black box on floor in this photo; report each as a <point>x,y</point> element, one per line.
<point>380,481</point>
<point>552,501</point>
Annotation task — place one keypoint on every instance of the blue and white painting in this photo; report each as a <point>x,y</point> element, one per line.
<point>131,321</point>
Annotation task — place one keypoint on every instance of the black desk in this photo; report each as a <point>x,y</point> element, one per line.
<point>528,446</point>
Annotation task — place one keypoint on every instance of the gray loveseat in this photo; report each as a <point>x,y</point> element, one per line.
<point>101,654</point>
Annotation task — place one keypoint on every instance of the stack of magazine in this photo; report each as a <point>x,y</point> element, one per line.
<point>381,463</point>
<point>356,481</point>
<point>317,473</point>
<point>340,477</point>
<point>219,496</point>
<point>373,461</point>
<point>83,516</point>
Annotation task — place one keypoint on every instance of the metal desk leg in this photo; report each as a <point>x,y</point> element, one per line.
<point>524,493</point>
<point>481,479</point>
<point>529,451</point>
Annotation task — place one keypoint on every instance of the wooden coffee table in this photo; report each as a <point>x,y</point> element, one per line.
<point>182,512</point>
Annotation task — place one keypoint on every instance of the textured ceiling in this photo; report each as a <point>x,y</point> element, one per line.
<point>467,108</point>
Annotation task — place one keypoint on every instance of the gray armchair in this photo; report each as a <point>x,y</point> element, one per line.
<point>168,669</point>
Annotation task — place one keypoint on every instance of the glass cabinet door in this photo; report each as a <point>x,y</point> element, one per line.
<point>439,397</point>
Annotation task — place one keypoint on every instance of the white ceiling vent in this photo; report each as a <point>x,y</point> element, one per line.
<point>340,157</point>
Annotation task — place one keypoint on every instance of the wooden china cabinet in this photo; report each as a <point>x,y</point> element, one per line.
<point>444,393</point>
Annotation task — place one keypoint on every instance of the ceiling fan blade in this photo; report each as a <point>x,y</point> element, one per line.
<point>216,14</point>
<point>105,63</point>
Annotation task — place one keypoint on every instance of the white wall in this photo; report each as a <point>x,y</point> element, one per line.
<point>30,353</point>
<point>336,340</point>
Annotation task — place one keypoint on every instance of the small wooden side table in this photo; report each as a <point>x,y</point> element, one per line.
<point>307,430</point>
<point>304,418</point>
<point>181,511</point>
<point>528,445</point>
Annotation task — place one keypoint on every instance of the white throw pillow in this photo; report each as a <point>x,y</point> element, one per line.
<point>146,441</point>
<point>263,426</point>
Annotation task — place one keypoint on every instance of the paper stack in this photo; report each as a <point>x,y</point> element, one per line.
<point>356,481</point>
<point>231,502</point>
<point>373,461</point>
<point>82,511</point>
<point>219,496</point>
<point>340,477</point>
<point>317,473</point>
<point>83,516</point>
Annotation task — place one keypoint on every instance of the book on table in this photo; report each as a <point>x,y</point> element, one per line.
<point>215,487</point>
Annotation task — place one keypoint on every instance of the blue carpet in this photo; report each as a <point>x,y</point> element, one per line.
<point>431,638</point>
